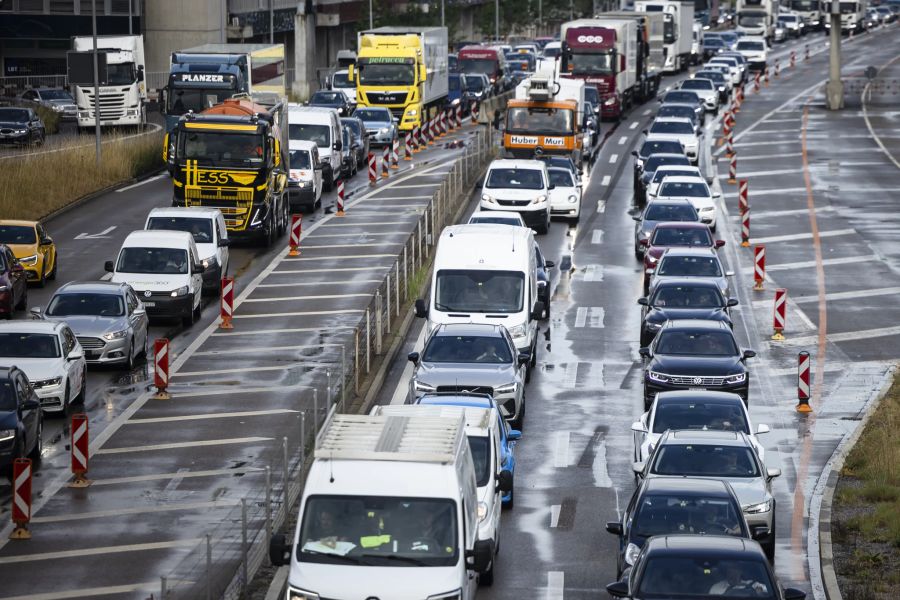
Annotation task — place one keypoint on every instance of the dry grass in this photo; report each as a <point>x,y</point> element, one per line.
<point>36,185</point>
<point>50,119</point>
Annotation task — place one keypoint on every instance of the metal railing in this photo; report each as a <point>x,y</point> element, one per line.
<point>229,555</point>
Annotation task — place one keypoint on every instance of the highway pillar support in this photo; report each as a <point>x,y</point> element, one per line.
<point>834,89</point>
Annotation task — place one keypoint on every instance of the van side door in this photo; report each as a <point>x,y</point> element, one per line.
<point>221,233</point>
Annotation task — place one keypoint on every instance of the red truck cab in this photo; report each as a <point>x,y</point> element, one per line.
<point>482,59</point>
<point>589,53</point>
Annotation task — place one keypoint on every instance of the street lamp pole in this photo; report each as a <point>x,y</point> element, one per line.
<point>497,20</point>
<point>96,83</point>
<point>371,22</point>
<point>442,14</point>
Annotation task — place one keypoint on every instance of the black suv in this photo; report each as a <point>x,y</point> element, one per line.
<point>21,420</point>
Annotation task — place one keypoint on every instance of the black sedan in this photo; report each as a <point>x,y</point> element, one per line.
<point>20,126</point>
<point>21,419</point>
<point>329,99</point>
<point>13,283</point>
<point>702,567</point>
<point>653,162</point>
<point>666,209</point>
<point>359,139</point>
<point>670,505</point>
<point>653,147</point>
<point>685,97</point>
<point>691,354</point>
<point>675,299</point>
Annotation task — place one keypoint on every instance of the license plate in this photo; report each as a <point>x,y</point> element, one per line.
<point>93,354</point>
<point>150,304</point>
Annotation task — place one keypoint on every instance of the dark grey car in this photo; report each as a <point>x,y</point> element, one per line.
<point>656,212</point>
<point>20,126</point>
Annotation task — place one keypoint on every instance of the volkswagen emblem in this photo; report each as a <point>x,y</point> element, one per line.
<point>697,380</point>
<point>147,294</point>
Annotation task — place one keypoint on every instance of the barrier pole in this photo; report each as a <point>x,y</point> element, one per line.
<point>803,382</point>
<point>21,499</point>
<point>778,320</point>
<point>161,368</point>
<point>80,444</point>
<point>227,305</point>
<point>759,267</point>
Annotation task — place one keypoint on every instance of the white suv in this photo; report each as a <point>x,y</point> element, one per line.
<point>755,50</point>
<point>522,186</point>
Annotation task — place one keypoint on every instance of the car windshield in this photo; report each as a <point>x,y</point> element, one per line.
<point>219,148</point>
<point>674,110</point>
<point>163,261</point>
<point>696,578</point>
<point>539,121</point>
<point>561,178</point>
<point>660,147</point>
<point>84,304</point>
<point>696,84</point>
<point>342,81</point>
<point>750,44</point>
<point>700,415</point>
<point>182,101</point>
<point>299,159</point>
<point>370,115</point>
<point>714,76</point>
<point>672,127</point>
<point>386,73</point>
<point>696,343</point>
<point>673,236</point>
<point>55,95</point>
<point>655,161</point>
<point>496,220</point>
<point>552,52</point>
<point>486,66</point>
<point>517,179</point>
<point>327,98</point>
<point>592,95</point>
<point>467,349</point>
<point>379,531</point>
<point>474,82</point>
<point>320,135</point>
<point>17,234</point>
<point>677,514</point>
<point>690,189</point>
<point>689,266</point>
<point>14,115</point>
<point>593,64</point>
<point>479,291</point>
<point>7,397</point>
<point>685,296</point>
<point>201,229</point>
<point>661,174</point>
<point>685,96</point>
<point>480,446</point>
<point>670,212</point>
<point>29,345</point>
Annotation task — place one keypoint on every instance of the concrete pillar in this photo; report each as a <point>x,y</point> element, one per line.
<point>304,55</point>
<point>175,24</point>
<point>834,89</point>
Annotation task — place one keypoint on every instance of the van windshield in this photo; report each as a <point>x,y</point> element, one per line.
<point>516,179</point>
<point>481,456</point>
<point>479,291</point>
<point>317,134</point>
<point>201,229</point>
<point>379,531</point>
<point>163,261</point>
<point>300,159</point>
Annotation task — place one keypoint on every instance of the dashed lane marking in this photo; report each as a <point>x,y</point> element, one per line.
<point>420,197</point>
<point>606,179</point>
<point>554,515</point>
<point>333,246</point>
<point>597,236</point>
<point>307,313</point>
<point>250,352</point>
<point>613,158</point>
<point>333,224</point>
<point>806,264</point>
<point>176,445</point>
<point>556,585</point>
<point>622,140</point>
<point>183,475</point>
<point>634,125</point>
<point>561,457</point>
<point>334,270</point>
<point>302,298</point>
<point>801,236</point>
<point>590,316</point>
<point>227,415</point>
<point>90,592</point>
<point>305,283</point>
<point>593,273</point>
<point>233,370</point>
<point>361,234</point>
<point>601,206</point>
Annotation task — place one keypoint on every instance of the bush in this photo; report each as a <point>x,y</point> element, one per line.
<point>50,118</point>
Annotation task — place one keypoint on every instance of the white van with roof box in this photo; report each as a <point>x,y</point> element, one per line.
<point>322,126</point>
<point>164,270</point>
<point>486,274</point>
<point>207,226</point>
<point>389,510</point>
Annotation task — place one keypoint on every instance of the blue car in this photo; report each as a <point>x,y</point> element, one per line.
<point>457,91</point>
<point>508,437</point>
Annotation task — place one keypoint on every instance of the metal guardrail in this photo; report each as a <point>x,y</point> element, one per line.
<point>880,91</point>
<point>231,553</point>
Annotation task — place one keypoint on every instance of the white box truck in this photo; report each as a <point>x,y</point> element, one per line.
<point>756,18</point>
<point>677,30</point>
<point>124,95</point>
<point>389,510</point>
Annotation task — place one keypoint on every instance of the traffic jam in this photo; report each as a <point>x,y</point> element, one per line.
<point>424,478</point>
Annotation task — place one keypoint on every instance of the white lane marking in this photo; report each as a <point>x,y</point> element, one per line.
<point>301,298</point>
<point>420,197</point>
<point>769,214</point>
<point>305,283</point>
<point>599,467</point>
<point>601,206</point>
<point>802,316</point>
<point>140,183</point>
<point>334,270</point>
<point>232,370</point>
<point>597,236</point>
<point>176,445</point>
<point>801,236</point>
<point>742,175</point>
<point>213,415</point>
<point>830,367</point>
<point>846,336</point>
<point>407,187</point>
<point>333,246</point>
<point>807,264</point>
<point>613,158</point>
<point>554,515</point>
<point>888,291</point>
<point>136,510</point>
<point>342,257</point>
<point>780,121</point>
<point>345,224</point>
<point>243,390</point>
<point>571,375</point>
<point>185,475</point>
<point>249,352</point>
<point>633,125</point>
<point>96,236</point>
<point>593,273</point>
<point>595,313</point>
<point>307,313</point>
<point>556,585</point>
<point>286,330</point>
<point>90,592</point>
<point>606,179</point>
<point>869,124</point>
<point>622,140</point>
<point>561,450</point>
<point>581,316</point>
<point>174,482</point>
<point>748,144</point>
<point>362,235</point>
<point>774,131</point>
<point>776,192</point>
<point>100,550</point>
<point>401,392</point>
<point>647,112</point>
<point>743,158</point>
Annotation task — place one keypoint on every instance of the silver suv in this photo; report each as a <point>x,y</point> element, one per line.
<point>473,357</point>
<point>725,455</point>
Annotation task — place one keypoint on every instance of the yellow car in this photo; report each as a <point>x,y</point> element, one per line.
<point>33,247</point>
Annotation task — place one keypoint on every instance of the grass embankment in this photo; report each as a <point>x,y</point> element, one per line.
<point>35,185</point>
<point>866,514</point>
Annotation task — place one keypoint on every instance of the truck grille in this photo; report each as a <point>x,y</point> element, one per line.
<point>91,343</point>
<point>386,97</point>
<point>112,104</point>
<point>470,389</point>
<point>691,380</point>
<point>195,192</point>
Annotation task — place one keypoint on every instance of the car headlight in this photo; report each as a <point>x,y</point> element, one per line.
<point>653,326</point>
<point>296,594</point>
<point>509,388</point>
<point>755,509</point>
<point>708,209</point>
<point>482,511</point>
<point>652,259</point>
<point>7,434</point>
<point>454,595</point>
<point>183,290</point>
<point>56,108</point>
<point>29,260</point>
<point>657,376</point>
<point>210,262</point>
<point>539,199</point>
<point>573,199</point>
<point>517,331</point>
<point>739,378</point>
<point>643,234</point>
<point>53,381</point>
<point>384,131</point>
<point>455,102</point>
<point>115,335</point>
<point>423,387</point>
<point>631,553</point>
<point>304,184</point>
<point>611,101</point>
<point>488,198</point>
<point>412,112</point>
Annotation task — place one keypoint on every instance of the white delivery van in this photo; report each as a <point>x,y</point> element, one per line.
<point>483,434</point>
<point>304,176</point>
<point>389,510</point>
<point>322,126</point>
<point>207,226</point>
<point>519,185</point>
<point>164,270</point>
<point>486,274</point>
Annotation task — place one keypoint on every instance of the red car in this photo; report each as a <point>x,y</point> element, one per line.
<point>13,284</point>
<point>668,235</point>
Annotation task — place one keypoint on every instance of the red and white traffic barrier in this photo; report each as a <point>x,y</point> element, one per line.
<point>777,67</point>
<point>386,161</point>
<point>395,153</point>
<point>340,199</point>
<point>161,368</point>
<point>429,132</point>
<point>729,146</point>
<point>745,229</point>
<point>779,314</point>
<point>743,196</point>
<point>793,58</point>
<point>444,127</point>
<point>21,499</point>
<point>294,239</point>
<point>732,169</point>
<point>373,169</point>
<point>726,129</point>
<point>407,147</point>
<point>227,310</point>
<point>416,138</point>
<point>759,267</point>
<point>458,116</point>
<point>473,113</point>
<point>803,382</point>
<point>80,444</point>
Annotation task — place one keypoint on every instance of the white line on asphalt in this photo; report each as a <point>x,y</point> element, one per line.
<point>613,158</point>
<point>233,370</point>
<point>250,351</point>
<point>334,270</point>
<point>806,264</point>
<point>336,257</point>
<point>599,467</point>
<point>597,236</point>
<point>331,328</point>
<point>417,208</point>
<point>554,515</point>
<point>747,144</point>
<point>186,475</point>
<point>581,316</point>
<point>888,291</point>
<point>407,187</point>
<point>81,552</point>
<point>175,445</point>
<point>601,206</point>
<point>622,140</point>
<point>763,157</point>
<point>802,316</point>
<point>301,298</point>
<point>344,235</point>
<point>332,246</point>
<point>345,224</point>
<point>140,183</point>
<point>212,415</point>
<point>801,236</point>
<point>571,374</point>
<point>606,179</point>
<point>780,121</point>
<point>773,131</point>
<point>307,313</point>
<point>633,125</point>
<point>847,336</point>
<point>90,592</point>
<point>276,389</point>
<point>561,450</point>
<point>593,273</point>
<point>830,367</point>
<point>556,586</point>
<point>776,192</point>
<point>428,197</point>
<point>770,214</point>
<point>137,510</point>
<point>742,175</point>
<point>305,283</point>
<point>106,277</point>
<point>596,314</point>
<point>647,112</point>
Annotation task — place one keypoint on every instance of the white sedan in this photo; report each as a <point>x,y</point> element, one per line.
<point>50,355</point>
<point>696,191</point>
<point>565,194</point>
<point>678,130</point>
<point>706,89</point>
<point>664,171</point>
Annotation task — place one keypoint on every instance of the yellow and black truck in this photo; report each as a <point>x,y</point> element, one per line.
<point>232,156</point>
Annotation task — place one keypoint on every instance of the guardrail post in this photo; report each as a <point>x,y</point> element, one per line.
<point>303,437</point>
<point>378,322</point>
<point>244,577</point>
<point>343,377</point>
<point>285,474</point>
<point>269,504</point>
<point>356,360</point>
<point>327,406</point>
<point>368,336</point>
<point>405,273</point>
<point>163,592</point>
<point>418,261</point>
<point>316,407</point>
<point>387,314</point>
<point>397,287</point>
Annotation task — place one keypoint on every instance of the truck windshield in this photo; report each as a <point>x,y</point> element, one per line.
<point>848,8</point>
<point>805,5</point>
<point>479,291</point>
<point>386,74</point>
<point>220,148</point>
<point>485,66</point>
<point>121,74</point>
<point>547,122</point>
<point>379,531</point>
<point>317,134</point>
<point>594,64</point>
<point>181,101</point>
<point>751,20</point>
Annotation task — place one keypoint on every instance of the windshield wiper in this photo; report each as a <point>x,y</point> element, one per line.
<point>444,307</point>
<point>340,557</point>
<point>398,558</point>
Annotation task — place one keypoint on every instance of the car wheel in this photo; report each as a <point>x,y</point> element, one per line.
<point>42,280</point>
<point>52,274</point>
<point>512,499</point>
<point>38,450</point>
<point>23,303</point>
<point>129,362</point>
<point>190,319</point>
<point>66,400</point>
<point>487,578</point>
<point>769,546</point>
<point>638,255</point>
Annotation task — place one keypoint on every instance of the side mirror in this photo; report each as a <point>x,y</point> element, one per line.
<point>638,427</point>
<point>758,532</point>
<point>794,594</point>
<point>732,302</point>
<point>513,435</point>
<point>139,312</point>
<point>645,242</point>
<point>197,268</point>
<point>338,146</point>
<point>634,153</point>
<point>614,527</point>
<point>224,243</point>
<point>645,352</point>
<point>524,358</point>
<point>643,301</point>
<point>773,473</point>
<point>729,273</point>
<point>505,481</point>
<point>108,266</point>
<point>719,243</point>
<point>619,589</point>
<point>762,428</point>
<point>31,405</point>
<point>635,217</point>
<point>75,355</point>
<point>717,195</point>
<point>482,555</point>
<point>413,357</point>
<point>538,310</point>
<point>421,308</point>
<point>638,468</point>
<point>644,131</point>
<point>549,264</point>
<point>552,186</point>
<point>279,550</point>
<point>748,354</point>
<point>46,241</point>
<point>36,312</point>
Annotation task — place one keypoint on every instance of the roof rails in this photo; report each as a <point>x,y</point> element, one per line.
<point>475,416</point>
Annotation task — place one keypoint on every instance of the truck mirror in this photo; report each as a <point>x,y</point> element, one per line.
<point>421,308</point>
<point>277,150</point>
<point>279,550</point>
<point>350,74</point>
<point>423,73</point>
<point>166,148</point>
<point>140,73</point>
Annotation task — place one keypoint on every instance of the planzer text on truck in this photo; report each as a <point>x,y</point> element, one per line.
<point>232,157</point>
